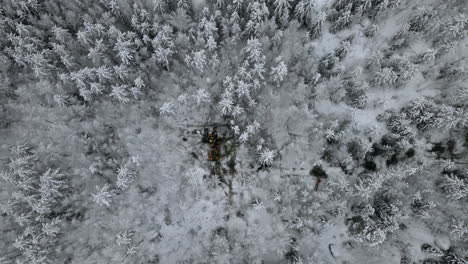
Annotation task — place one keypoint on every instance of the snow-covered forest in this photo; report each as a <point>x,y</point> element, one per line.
<point>233,131</point>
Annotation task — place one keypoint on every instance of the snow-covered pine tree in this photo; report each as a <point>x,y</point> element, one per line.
<point>343,20</point>
<point>159,5</point>
<point>387,76</point>
<point>454,186</point>
<point>456,28</point>
<point>258,14</point>
<point>167,108</point>
<point>198,60</point>
<point>60,34</point>
<point>282,7</point>
<point>304,10</point>
<point>36,195</point>
<point>163,44</point>
<point>103,196</point>
<point>120,93</point>
<point>97,52</point>
<point>459,229</point>
<point>124,48</point>
<point>317,25</point>
<point>279,71</point>
<point>266,157</point>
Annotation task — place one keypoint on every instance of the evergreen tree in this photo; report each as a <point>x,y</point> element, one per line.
<point>38,193</point>
<point>316,27</point>
<point>279,71</point>
<point>386,77</point>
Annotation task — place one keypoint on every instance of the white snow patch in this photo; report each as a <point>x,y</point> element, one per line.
<point>198,5</point>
